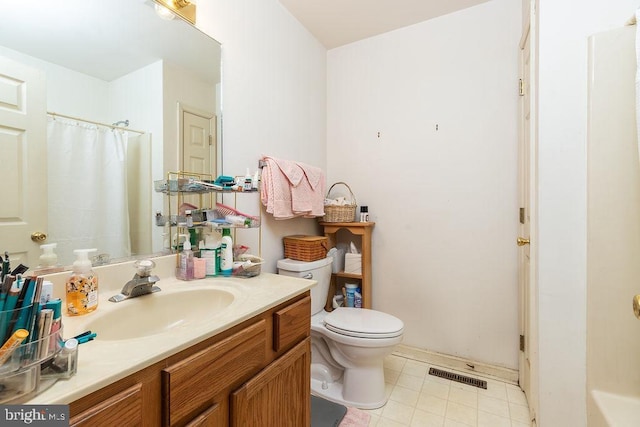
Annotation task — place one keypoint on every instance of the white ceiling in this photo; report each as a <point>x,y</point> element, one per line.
<point>338,22</point>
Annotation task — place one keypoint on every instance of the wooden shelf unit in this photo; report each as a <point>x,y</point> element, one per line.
<point>364,230</point>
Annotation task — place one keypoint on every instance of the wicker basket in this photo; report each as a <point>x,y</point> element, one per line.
<point>344,213</point>
<point>305,248</point>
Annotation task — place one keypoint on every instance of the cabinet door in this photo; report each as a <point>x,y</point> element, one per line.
<point>212,417</point>
<point>196,382</point>
<point>280,395</point>
<point>123,409</point>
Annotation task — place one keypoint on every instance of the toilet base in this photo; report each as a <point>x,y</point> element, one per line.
<point>333,393</point>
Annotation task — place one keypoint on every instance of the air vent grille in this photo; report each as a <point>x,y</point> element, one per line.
<point>458,378</point>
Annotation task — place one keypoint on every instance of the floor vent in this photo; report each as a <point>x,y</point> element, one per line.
<point>458,378</point>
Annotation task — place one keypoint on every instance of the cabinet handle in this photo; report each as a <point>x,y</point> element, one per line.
<point>308,276</point>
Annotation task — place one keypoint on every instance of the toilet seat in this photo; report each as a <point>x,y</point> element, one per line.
<point>363,323</point>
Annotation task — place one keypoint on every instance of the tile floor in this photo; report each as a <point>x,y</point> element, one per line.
<point>419,399</point>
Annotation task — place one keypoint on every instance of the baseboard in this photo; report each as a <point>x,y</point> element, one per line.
<point>458,363</point>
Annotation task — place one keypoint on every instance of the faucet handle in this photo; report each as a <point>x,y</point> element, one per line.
<point>144,267</point>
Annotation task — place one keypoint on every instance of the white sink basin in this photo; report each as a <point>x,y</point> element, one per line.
<point>157,313</point>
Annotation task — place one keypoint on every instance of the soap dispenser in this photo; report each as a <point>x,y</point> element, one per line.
<point>82,285</point>
<point>48,260</point>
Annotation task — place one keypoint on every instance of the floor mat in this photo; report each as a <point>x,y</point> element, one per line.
<point>325,413</point>
<point>355,418</point>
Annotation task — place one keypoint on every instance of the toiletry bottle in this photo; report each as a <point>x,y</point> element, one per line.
<point>184,271</point>
<point>364,214</point>
<point>48,260</point>
<point>226,253</point>
<point>208,253</point>
<point>351,294</point>
<point>82,285</point>
<point>255,182</point>
<point>48,257</point>
<point>247,181</point>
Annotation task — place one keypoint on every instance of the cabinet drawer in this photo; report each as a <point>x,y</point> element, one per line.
<point>191,385</point>
<point>122,409</point>
<point>291,324</point>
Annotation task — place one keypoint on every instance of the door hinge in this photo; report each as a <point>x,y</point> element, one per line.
<point>210,139</point>
<point>521,87</point>
<point>521,342</point>
<point>521,215</point>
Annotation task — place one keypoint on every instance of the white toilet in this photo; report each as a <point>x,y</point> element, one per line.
<point>348,345</point>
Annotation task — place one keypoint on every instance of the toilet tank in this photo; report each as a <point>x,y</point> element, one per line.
<point>319,270</point>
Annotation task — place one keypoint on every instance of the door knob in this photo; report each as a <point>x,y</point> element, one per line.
<point>38,236</point>
<point>522,241</point>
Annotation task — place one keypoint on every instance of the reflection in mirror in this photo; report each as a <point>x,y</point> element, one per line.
<point>105,63</point>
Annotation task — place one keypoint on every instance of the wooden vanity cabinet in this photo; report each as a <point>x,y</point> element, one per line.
<point>256,373</point>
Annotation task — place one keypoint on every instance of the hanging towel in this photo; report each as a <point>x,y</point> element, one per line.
<point>308,196</point>
<point>290,190</point>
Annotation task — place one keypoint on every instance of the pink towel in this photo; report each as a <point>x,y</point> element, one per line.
<point>307,197</point>
<point>291,189</point>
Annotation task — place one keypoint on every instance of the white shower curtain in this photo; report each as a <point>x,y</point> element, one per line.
<point>88,206</point>
<point>637,24</point>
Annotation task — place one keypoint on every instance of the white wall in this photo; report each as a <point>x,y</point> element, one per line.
<point>68,92</point>
<point>273,95</point>
<point>138,97</point>
<point>563,29</point>
<point>445,201</point>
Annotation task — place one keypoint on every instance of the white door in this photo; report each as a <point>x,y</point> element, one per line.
<point>198,148</point>
<point>198,142</point>
<point>23,161</point>
<point>527,197</point>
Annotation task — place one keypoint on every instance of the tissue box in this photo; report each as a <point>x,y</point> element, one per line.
<point>353,263</point>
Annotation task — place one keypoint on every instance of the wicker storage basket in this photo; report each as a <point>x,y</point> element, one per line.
<point>344,213</point>
<point>305,248</point>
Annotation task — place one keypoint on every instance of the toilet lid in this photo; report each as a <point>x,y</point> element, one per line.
<point>363,323</point>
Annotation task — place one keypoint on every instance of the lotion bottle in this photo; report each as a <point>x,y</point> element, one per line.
<point>82,286</point>
<point>226,253</point>
<point>184,271</point>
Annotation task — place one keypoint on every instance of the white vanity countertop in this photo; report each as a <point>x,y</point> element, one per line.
<point>102,362</point>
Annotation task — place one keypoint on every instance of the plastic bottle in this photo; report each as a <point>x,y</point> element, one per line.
<point>247,181</point>
<point>184,271</point>
<point>48,261</point>
<point>364,214</point>
<point>357,300</point>
<point>226,253</point>
<point>208,253</point>
<point>48,257</point>
<point>351,294</point>
<point>82,285</point>
<point>255,182</point>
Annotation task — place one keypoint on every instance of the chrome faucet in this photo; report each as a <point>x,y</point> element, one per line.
<point>143,282</point>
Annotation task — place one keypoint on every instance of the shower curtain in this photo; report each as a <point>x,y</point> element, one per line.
<point>87,175</point>
<point>637,19</point>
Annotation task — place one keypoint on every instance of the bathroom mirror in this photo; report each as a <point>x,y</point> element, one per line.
<point>117,62</point>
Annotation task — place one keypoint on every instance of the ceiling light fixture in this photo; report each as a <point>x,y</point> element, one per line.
<point>167,9</point>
